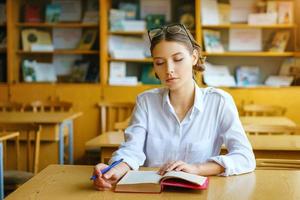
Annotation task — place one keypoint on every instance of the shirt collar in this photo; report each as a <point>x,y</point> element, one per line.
<point>198,100</point>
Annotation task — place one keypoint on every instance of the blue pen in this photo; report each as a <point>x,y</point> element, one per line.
<point>103,171</point>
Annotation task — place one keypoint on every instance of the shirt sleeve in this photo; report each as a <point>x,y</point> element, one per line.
<point>132,150</point>
<point>240,158</point>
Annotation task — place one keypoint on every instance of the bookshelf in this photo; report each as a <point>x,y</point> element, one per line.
<point>17,24</point>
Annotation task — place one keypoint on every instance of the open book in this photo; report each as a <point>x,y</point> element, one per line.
<point>151,182</point>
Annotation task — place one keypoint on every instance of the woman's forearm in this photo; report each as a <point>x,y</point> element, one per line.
<point>210,168</point>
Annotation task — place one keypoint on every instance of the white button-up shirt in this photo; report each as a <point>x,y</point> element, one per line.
<point>155,134</point>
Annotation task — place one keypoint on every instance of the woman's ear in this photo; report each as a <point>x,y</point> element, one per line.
<point>195,57</point>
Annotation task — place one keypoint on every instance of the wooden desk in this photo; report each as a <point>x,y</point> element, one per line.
<point>59,120</point>
<point>4,137</point>
<point>72,182</point>
<point>108,142</point>
<point>285,121</point>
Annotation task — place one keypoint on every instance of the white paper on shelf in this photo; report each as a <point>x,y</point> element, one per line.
<point>66,38</point>
<point>240,9</point>
<point>117,70</point>
<point>128,80</point>
<point>279,80</point>
<point>245,40</point>
<point>209,12</point>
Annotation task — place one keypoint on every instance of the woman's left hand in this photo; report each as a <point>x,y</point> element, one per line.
<point>180,166</point>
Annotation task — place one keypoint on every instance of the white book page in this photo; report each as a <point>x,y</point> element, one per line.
<point>199,180</point>
<point>138,177</point>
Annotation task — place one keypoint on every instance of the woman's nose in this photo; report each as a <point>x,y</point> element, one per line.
<point>170,68</point>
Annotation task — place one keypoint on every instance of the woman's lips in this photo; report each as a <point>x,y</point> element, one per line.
<point>171,79</point>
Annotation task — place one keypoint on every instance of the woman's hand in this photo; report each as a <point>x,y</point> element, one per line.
<point>180,166</point>
<point>105,181</point>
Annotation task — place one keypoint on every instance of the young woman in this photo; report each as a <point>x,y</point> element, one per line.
<point>181,126</point>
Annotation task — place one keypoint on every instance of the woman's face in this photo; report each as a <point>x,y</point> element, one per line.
<point>173,63</point>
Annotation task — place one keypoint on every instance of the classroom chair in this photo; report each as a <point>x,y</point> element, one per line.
<point>262,110</point>
<point>112,112</point>
<point>275,138</point>
<point>49,106</point>
<point>9,106</point>
<point>113,116</point>
<point>30,133</point>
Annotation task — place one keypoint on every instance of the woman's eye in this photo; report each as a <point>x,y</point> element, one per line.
<point>159,63</point>
<point>178,60</point>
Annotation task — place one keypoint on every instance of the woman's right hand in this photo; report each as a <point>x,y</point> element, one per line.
<point>105,181</point>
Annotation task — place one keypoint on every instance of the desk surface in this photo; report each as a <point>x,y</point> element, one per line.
<point>281,121</point>
<point>72,182</point>
<point>37,117</point>
<point>108,139</point>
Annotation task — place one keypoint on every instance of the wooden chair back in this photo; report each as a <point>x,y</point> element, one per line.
<point>49,106</point>
<point>10,106</point>
<point>259,129</point>
<point>275,138</point>
<point>111,113</point>
<point>30,132</point>
<point>121,126</point>
<point>263,110</point>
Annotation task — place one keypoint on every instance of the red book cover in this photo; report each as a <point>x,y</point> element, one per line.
<point>32,13</point>
<point>184,184</point>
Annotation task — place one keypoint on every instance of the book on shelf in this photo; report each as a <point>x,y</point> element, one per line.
<point>286,65</point>
<point>70,10</point>
<point>279,41</point>
<point>245,40</point>
<point>285,12</point>
<point>218,76</point>
<point>66,38</point>
<point>151,182</point>
<point>53,12</point>
<point>272,7</point>
<point>2,13</point>
<point>79,71</point>
<point>115,19</point>
<point>38,72</point>
<point>32,13</point>
<point>91,17</point>
<point>158,7</point>
<point>262,18</point>
<point>36,40</point>
<point>88,39</point>
<point>63,63</point>
<point>186,15</point>
<point>224,13</point>
<point>126,47</point>
<point>130,9</point>
<point>240,10</point>
<point>247,76</point>
<point>212,41</point>
<point>279,80</point>
<point>148,75</point>
<point>117,69</point>
<point>133,25</point>
<point>209,12</point>
<point>154,21</point>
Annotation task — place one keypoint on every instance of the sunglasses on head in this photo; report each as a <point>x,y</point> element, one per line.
<point>172,29</point>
